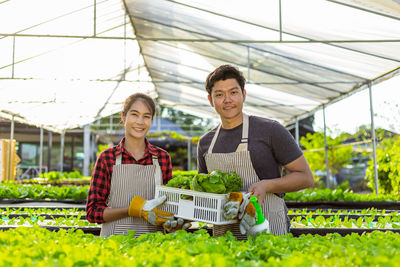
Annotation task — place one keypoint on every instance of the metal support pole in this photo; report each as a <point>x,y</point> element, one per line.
<point>94,18</point>
<point>189,153</point>
<point>297,132</point>
<point>10,154</point>
<point>159,120</point>
<point>12,128</point>
<point>125,22</point>
<point>248,64</point>
<point>280,20</point>
<point>62,137</point>
<point>72,152</point>
<point>49,145</point>
<point>41,150</point>
<point>86,149</point>
<point>328,184</point>
<point>373,137</point>
<point>13,59</point>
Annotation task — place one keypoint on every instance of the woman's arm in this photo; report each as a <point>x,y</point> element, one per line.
<point>112,214</point>
<point>98,191</point>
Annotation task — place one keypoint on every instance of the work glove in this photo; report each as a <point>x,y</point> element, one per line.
<point>239,207</point>
<point>176,224</point>
<point>147,209</point>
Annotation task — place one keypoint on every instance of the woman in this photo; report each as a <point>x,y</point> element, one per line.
<point>125,176</point>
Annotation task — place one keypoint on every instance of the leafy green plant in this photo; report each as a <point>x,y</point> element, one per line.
<point>314,152</point>
<point>217,182</point>
<point>28,246</point>
<point>336,195</point>
<point>33,191</point>
<point>388,161</point>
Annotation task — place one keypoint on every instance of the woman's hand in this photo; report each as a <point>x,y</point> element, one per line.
<point>259,190</point>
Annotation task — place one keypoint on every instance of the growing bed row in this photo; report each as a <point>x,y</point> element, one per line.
<point>10,190</point>
<point>306,219</point>
<point>37,246</point>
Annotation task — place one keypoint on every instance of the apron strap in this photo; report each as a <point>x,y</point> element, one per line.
<point>210,148</point>
<point>118,159</point>
<point>157,174</point>
<point>245,134</point>
<point>243,142</point>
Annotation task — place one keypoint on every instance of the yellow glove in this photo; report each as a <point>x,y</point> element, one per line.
<point>147,209</point>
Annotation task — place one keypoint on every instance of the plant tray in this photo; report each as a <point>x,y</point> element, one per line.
<point>193,205</point>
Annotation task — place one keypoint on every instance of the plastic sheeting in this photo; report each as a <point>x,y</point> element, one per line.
<point>296,57</point>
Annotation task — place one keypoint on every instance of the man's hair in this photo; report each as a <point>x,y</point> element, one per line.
<point>223,73</point>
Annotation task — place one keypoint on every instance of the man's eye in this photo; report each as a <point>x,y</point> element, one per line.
<point>147,117</point>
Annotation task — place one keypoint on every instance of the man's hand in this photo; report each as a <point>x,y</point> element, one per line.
<point>240,207</point>
<point>176,224</point>
<point>259,190</point>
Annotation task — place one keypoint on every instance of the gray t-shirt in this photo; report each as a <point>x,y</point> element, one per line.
<point>271,146</point>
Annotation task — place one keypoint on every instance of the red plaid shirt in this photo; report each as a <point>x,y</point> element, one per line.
<point>101,176</point>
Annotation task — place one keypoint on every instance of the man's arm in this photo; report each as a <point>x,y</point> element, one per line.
<point>300,177</point>
<point>201,162</point>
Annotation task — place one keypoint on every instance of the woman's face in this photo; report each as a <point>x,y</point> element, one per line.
<point>137,121</point>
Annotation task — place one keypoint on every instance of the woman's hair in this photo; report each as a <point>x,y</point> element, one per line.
<point>147,100</point>
<point>223,73</point>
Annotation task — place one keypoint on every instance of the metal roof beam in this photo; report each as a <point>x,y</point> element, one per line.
<point>265,72</point>
<point>272,29</point>
<point>356,89</point>
<point>51,50</point>
<point>257,49</point>
<point>55,18</point>
<point>365,9</point>
<point>228,61</point>
<point>196,40</point>
<point>262,71</point>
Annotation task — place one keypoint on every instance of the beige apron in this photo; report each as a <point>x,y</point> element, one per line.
<point>127,181</point>
<point>274,207</point>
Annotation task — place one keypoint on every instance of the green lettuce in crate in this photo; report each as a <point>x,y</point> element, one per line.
<point>217,182</point>
<point>180,181</point>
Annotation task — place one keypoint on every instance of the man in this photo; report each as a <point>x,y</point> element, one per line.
<point>256,148</point>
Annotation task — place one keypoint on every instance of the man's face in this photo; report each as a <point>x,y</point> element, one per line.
<point>227,98</point>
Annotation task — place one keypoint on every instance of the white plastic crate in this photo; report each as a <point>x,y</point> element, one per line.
<point>202,207</point>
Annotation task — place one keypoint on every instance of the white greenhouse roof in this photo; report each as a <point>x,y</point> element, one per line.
<point>63,64</point>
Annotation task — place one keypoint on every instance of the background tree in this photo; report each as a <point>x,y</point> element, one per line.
<point>314,152</point>
<point>388,161</point>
